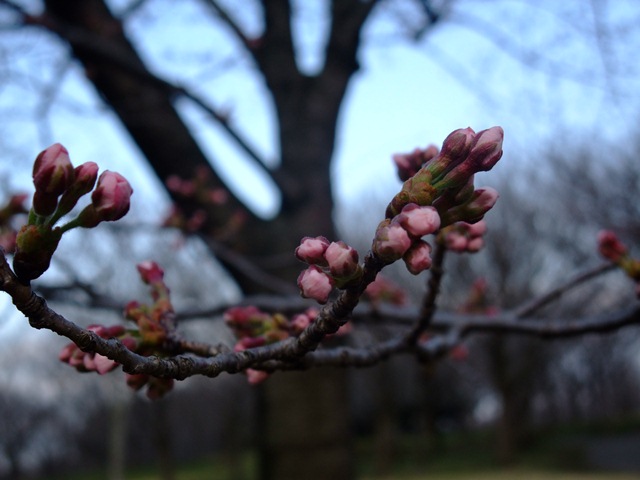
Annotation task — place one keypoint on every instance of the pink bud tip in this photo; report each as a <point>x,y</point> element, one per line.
<point>342,259</point>
<point>419,221</point>
<point>52,170</point>
<point>418,257</point>
<point>150,272</point>
<point>311,250</point>
<point>315,284</point>
<point>391,242</point>
<point>487,149</point>
<point>610,246</point>
<point>112,196</point>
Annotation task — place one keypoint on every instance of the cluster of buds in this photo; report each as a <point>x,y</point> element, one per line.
<point>14,208</point>
<point>154,324</point>
<point>94,362</point>
<point>255,328</point>
<point>463,237</point>
<point>611,248</point>
<point>198,192</point>
<point>331,265</point>
<point>438,191</point>
<point>58,187</point>
<point>401,237</point>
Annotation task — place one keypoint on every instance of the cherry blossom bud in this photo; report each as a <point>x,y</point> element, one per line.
<point>408,164</point>
<point>52,170</point>
<point>475,244</point>
<point>476,229</point>
<point>315,284</point>
<point>342,259</point>
<point>418,257</point>
<point>391,241</point>
<point>487,149</point>
<point>254,377</point>
<point>84,179</point>
<point>419,221</point>
<point>35,245</point>
<point>311,250</point>
<point>456,241</point>
<point>610,246</point>
<point>112,196</point>
<point>102,364</point>
<point>384,290</point>
<point>455,149</point>
<point>150,272</point>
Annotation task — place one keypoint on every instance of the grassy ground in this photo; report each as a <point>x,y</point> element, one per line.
<point>469,457</point>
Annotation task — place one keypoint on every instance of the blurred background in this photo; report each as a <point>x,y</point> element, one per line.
<point>295,108</point>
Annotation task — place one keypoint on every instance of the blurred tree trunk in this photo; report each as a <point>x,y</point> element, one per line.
<point>307,108</point>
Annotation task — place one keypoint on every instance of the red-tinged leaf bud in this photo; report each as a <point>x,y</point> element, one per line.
<point>418,257</point>
<point>52,170</point>
<point>150,272</point>
<point>315,284</point>
<point>487,149</point>
<point>419,221</point>
<point>311,250</point>
<point>610,246</point>
<point>391,241</point>
<point>342,259</point>
<point>112,196</point>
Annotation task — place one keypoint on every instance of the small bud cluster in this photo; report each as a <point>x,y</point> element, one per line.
<point>331,265</point>
<point>198,192</point>
<point>255,328</point>
<point>611,248</point>
<point>149,338</point>
<point>401,237</point>
<point>14,208</point>
<point>58,187</point>
<point>438,192</point>
<point>463,237</point>
<point>383,290</point>
<point>94,362</point>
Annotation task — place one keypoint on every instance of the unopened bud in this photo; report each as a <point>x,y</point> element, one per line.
<point>315,284</point>
<point>391,241</point>
<point>311,250</point>
<point>342,259</point>
<point>418,257</point>
<point>419,221</point>
<point>112,196</point>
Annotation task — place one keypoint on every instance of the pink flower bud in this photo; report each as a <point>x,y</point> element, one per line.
<point>418,257</point>
<point>391,241</point>
<point>150,272</point>
<point>455,149</point>
<point>408,164</point>
<point>419,221</point>
<point>476,229</point>
<point>52,170</point>
<point>342,259</point>
<point>475,244</point>
<point>311,250</point>
<point>487,149</point>
<point>610,246</point>
<point>315,284</point>
<point>103,364</point>
<point>112,196</point>
<point>254,377</point>
<point>456,241</point>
